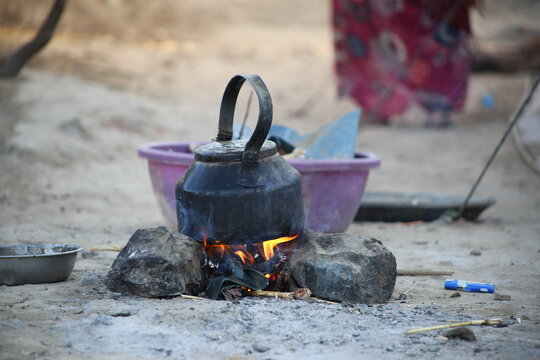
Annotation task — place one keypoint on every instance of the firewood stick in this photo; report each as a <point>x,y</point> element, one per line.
<point>191,297</point>
<point>409,290</point>
<point>423,272</point>
<point>303,293</point>
<point>316,299</point>
<point>466,323</point>
<point>274,294</point>
<point>403,293</point>
<point>104,248</point>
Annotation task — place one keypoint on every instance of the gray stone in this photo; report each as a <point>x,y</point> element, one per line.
<point>261,348</point>
<point>90,280</point>
<point>345,267</point>
<point>157,263</point>
<point>460,333</point>
<point>501,297</point>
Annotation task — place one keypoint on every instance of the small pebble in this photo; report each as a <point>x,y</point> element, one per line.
<point>460,333</point>
<point>475,252</point>
<point>501,297</point>
<point>261,348</point>
<point>90,280</point>
<point>123,313</point>
<point>455,295</point>
<point>89,254</point>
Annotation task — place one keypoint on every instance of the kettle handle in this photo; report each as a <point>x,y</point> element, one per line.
<point>226,115</point>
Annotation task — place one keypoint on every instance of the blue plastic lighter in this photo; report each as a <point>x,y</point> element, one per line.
<point>452,284</point>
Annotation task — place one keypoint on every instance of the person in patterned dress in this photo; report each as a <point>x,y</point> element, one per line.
<point>391,54</point>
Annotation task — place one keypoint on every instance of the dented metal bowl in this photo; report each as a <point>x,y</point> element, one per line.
<point>36,263</point>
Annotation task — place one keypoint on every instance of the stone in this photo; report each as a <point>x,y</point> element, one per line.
<point>345,268</point>
<point>501,297</point>
<point>475,252</point>
<point>90,280</point>
<point>460,333</point>
<point>261,348</point>
<point>89,254</point>
<point>158,262</point>
<point>122,313</point>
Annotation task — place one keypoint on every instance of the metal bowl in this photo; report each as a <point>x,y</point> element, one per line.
<point>36,263</point>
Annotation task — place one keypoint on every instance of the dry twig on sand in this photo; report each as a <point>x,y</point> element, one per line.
<point>466,323</point>
<point>424,272</point>
<point>191,297</point>
<point>302,293</point>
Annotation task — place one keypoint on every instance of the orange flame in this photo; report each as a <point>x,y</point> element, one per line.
<point>245,257</point>
<point>266,249</point>
<point>270,245</point>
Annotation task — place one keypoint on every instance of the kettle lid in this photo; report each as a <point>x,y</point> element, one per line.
<point>232,150</point>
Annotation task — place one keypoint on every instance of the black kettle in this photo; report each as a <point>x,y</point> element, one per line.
<point>238,191</point>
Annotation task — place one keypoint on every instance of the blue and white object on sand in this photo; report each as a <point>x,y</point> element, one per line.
<point>488,101</point>
<point>452,284</point>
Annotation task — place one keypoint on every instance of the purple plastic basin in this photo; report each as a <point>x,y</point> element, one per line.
<point>332,189</point>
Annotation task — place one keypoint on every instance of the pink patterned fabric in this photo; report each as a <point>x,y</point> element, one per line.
<point>393,53</point>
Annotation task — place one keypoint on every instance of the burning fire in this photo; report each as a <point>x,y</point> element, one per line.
<point>245,257</point>
<point>266,249</point>
<point>270,245</point>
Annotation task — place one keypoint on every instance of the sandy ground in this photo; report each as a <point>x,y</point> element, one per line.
<point>70,125</point>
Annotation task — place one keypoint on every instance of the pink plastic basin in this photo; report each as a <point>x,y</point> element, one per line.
<point>332,189</point>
